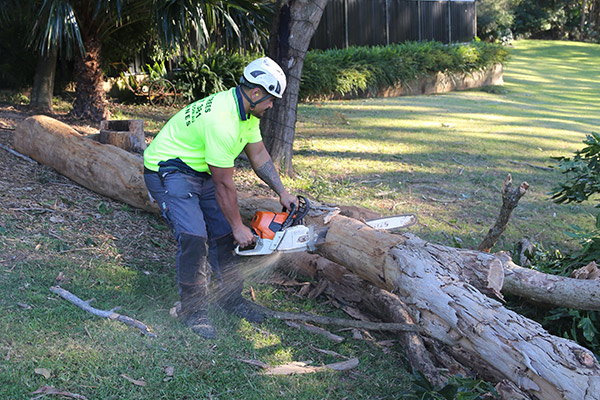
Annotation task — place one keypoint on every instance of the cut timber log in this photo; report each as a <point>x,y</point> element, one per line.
<point>103,168</point>
<point>504,343</point>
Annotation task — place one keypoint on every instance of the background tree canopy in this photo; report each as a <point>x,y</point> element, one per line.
<point>538,19</point>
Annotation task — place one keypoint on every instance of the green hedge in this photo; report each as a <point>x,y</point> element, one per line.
<point>341,72</point>
<point>368,69</point>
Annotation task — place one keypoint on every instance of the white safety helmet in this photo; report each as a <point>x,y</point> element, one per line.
<point>266,73</point>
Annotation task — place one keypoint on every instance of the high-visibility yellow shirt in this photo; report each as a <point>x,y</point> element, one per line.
<point>213,130</point>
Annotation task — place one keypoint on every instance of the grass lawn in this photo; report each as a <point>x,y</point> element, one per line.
<point>442,157</point>
<point>445,157</point>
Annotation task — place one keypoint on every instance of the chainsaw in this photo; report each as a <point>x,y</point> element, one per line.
<point>286,232</point>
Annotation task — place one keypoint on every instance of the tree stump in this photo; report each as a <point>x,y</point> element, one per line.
<point>126,134</point>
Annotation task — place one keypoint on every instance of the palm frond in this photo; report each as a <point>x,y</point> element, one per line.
<point>56,26</point>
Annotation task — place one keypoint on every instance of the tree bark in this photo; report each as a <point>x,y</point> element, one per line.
<point>295,23</point>
<point>90,100</point>
<point>43,82</point>
<point>504,344</point>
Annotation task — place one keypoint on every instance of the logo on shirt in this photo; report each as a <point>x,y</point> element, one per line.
<point>195,110</point>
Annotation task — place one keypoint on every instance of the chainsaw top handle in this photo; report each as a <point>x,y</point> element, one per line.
<point>297,213</point>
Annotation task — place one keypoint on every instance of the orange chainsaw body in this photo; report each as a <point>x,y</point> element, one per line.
<point>266,223</point>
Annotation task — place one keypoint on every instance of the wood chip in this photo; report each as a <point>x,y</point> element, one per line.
<point>43,371</point>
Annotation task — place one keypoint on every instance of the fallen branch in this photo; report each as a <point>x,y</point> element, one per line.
<point>299,367</point>
<point>317,330</point>
<point>376,326</point>
<point>45,390</point>
<point>532,165</point>
<point>510,199</point>
<point>110,314</point>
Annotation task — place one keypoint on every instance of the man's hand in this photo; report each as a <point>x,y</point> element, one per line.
<point>243,236</point>
<point>286,200</point>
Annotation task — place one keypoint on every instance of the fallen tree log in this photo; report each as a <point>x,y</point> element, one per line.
<point>506,344</point>
<point>102,168</point>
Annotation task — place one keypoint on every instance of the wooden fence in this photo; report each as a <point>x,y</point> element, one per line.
<point>379,22</point>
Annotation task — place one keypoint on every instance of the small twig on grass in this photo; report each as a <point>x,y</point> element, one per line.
<point>110,314</point>
<point>31,209</point>
<point>379,326</point>
<point>438,200</point>
<point>16,153</point>
<point>317,330</point>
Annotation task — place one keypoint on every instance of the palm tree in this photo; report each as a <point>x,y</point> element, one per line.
<point>78,28</point>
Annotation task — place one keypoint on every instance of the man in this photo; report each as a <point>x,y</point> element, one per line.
<point>188,170</point>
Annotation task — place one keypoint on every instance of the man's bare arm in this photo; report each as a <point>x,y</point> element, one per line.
<point>270,176</point>
<point>263,166</point>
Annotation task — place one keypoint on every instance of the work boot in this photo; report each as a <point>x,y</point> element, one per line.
<point>192,274</point>
<point>199,323</point>
<point>228,288</point>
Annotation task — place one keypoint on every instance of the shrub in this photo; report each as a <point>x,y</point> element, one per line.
<point>353,70</point>
<point>582,181</point>
<point>368,69</point>
<point>494,19</point>
<point>204,73</point>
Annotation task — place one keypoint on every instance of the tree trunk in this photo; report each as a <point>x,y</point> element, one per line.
<point>295,23</point>
<point>90,100</point>
<point>582,24</point>
<point>43,82</point>
<point>103,168</point>
<point>504,344</point>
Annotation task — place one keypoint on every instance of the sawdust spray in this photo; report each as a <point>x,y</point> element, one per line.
<point>253,268</point>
